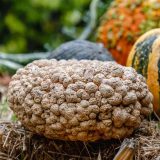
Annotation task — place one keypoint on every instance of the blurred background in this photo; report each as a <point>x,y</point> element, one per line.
<point>42,25</point>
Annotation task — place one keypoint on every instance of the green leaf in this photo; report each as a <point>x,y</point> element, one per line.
<point>14,24</point>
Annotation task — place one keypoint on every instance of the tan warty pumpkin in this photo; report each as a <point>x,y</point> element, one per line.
<point>124,22</point>
<point>145,58</point>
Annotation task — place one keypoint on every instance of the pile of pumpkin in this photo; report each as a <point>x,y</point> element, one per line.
<point>121,26</point>
<point>128,31</point>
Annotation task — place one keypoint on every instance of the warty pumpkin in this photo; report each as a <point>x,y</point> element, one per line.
<point>84,100</point>
<point>145,58</point>
<point>124,22</point>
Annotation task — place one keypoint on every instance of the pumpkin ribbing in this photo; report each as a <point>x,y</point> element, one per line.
<point>145,58</point>
<point>140,60</point>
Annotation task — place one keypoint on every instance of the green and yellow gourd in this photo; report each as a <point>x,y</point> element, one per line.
<point>145,58</point>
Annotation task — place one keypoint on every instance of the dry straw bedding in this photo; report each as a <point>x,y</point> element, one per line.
<point>16,143</point>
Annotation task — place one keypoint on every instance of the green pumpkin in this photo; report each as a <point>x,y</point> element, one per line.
<point>145,58</point>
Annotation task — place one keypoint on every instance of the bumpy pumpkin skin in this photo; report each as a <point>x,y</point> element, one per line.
<point>124,22</point>
<point>145,58</point>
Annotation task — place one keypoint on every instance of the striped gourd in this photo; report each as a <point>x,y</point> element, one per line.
<point>145,58</point>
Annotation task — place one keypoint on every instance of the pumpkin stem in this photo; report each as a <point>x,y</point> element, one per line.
<point>127,150</point>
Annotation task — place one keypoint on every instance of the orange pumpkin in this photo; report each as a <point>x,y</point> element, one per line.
<point>124,22</point>
<point>145,58</point>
